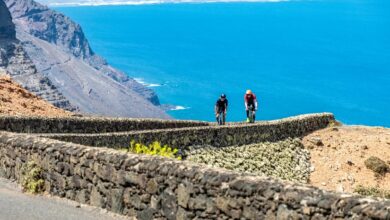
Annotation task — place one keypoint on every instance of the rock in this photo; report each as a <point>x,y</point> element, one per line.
<point>350,163</point>
<point>154,203</point>
<point>7,27</point>
<point>183,195</point>
<point>97,198</point>
<point>169,204</point>
<point>181,214</point>
<point>340,188</point>
<point>146,214</point>
<point>198,203</point>
<point>317,141</point>
<point>222,204</point>
<point>377,165</point>
<point>117,200</point>
<point>82,196</point>
<point>284,213</point>
<point>152,186</point>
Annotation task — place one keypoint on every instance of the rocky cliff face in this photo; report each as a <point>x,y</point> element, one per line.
<point>57,29</point>
<point>59,50</point>
<point>7,28</point>
<point>15,61</point>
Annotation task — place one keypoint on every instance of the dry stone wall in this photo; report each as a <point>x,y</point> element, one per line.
<point>87,124</point>
<point>153,187</point>
<point>235,134</point>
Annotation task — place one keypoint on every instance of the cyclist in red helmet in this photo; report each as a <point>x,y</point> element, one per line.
<point>250,104</point>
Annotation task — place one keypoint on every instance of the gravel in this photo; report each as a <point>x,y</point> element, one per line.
<point>287,160</point>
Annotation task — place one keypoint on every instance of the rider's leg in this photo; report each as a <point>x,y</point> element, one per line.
<point>223,118</point>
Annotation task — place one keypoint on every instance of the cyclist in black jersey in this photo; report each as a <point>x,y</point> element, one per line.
<point>221,107</point>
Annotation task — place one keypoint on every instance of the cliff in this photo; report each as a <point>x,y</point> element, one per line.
<point>7,28</point>
<point>15,61</point>
<point>60,51</point>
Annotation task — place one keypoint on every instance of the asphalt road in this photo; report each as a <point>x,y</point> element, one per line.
<point>15,205</point>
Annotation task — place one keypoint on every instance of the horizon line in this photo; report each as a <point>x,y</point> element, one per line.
<point>155,2</point>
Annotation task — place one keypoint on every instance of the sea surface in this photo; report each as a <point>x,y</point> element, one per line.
<point>297,56</point>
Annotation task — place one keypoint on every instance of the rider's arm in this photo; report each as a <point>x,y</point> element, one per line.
<point>246,102</point>
<point>256,104</point>
<point>227,104</point>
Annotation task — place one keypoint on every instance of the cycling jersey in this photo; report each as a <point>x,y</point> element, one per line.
<point>250,99</point>
<point>222,105</point>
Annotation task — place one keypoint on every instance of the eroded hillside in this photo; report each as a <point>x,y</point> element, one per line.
<point>15,100</point>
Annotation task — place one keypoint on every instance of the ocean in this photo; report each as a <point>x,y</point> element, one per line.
<point>297,56</point>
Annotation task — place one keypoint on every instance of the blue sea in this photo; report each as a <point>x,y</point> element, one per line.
<point>297,56</point>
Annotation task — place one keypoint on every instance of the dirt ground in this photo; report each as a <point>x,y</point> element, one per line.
<point>15,100</point>
<point>338,155</point>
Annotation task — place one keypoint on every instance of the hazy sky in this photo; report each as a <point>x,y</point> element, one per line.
<point>109,2</point>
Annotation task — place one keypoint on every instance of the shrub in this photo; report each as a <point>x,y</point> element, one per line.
<point>372,191</point>
<point>153,149</point>
<point>377,165</point>
<point>32,180</point>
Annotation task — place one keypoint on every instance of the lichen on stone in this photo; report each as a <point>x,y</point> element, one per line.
<point>287,160</point>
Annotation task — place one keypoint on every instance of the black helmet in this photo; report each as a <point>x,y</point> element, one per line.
<point>223,95</point>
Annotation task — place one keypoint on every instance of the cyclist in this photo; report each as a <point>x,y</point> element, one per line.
<point>250,103</point>
<point>221,107</point>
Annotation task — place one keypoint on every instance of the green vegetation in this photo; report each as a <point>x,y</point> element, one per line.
<point>377,165</point>
<point>153,149</point>
<point>32,180</point>
<point>372,191</point>
<point>334,123</point>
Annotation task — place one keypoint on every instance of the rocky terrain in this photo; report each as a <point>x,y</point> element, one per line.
<point>15,61</point>
<point>287,159</point>
<point>338,157</point>
<point>15,100</point>
<point>55,51</point>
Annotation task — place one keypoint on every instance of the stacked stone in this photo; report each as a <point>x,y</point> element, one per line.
<point>234,134</point>
<point>23,124</point>
<point>153,187</point>
<point>287,160</point>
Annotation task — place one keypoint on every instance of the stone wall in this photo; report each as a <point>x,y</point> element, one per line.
<point>235,134</point>
<point>153,187</point>
<point>87,124</point>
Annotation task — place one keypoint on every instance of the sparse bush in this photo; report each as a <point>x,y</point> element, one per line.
<point>335,123</point>
<point>32,180</point>
<point>153,149</point>
<point>372,191</point>
<point>377,165</point>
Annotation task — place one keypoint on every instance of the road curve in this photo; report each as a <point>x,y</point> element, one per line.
<point>15,205</point>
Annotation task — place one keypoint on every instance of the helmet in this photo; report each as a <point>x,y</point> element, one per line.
<point>223,95</point>
<point>248,91</point>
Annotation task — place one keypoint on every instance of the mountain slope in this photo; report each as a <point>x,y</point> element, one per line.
<point>61,53</point>
<point>15,100</point>
<point>15,61</point>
